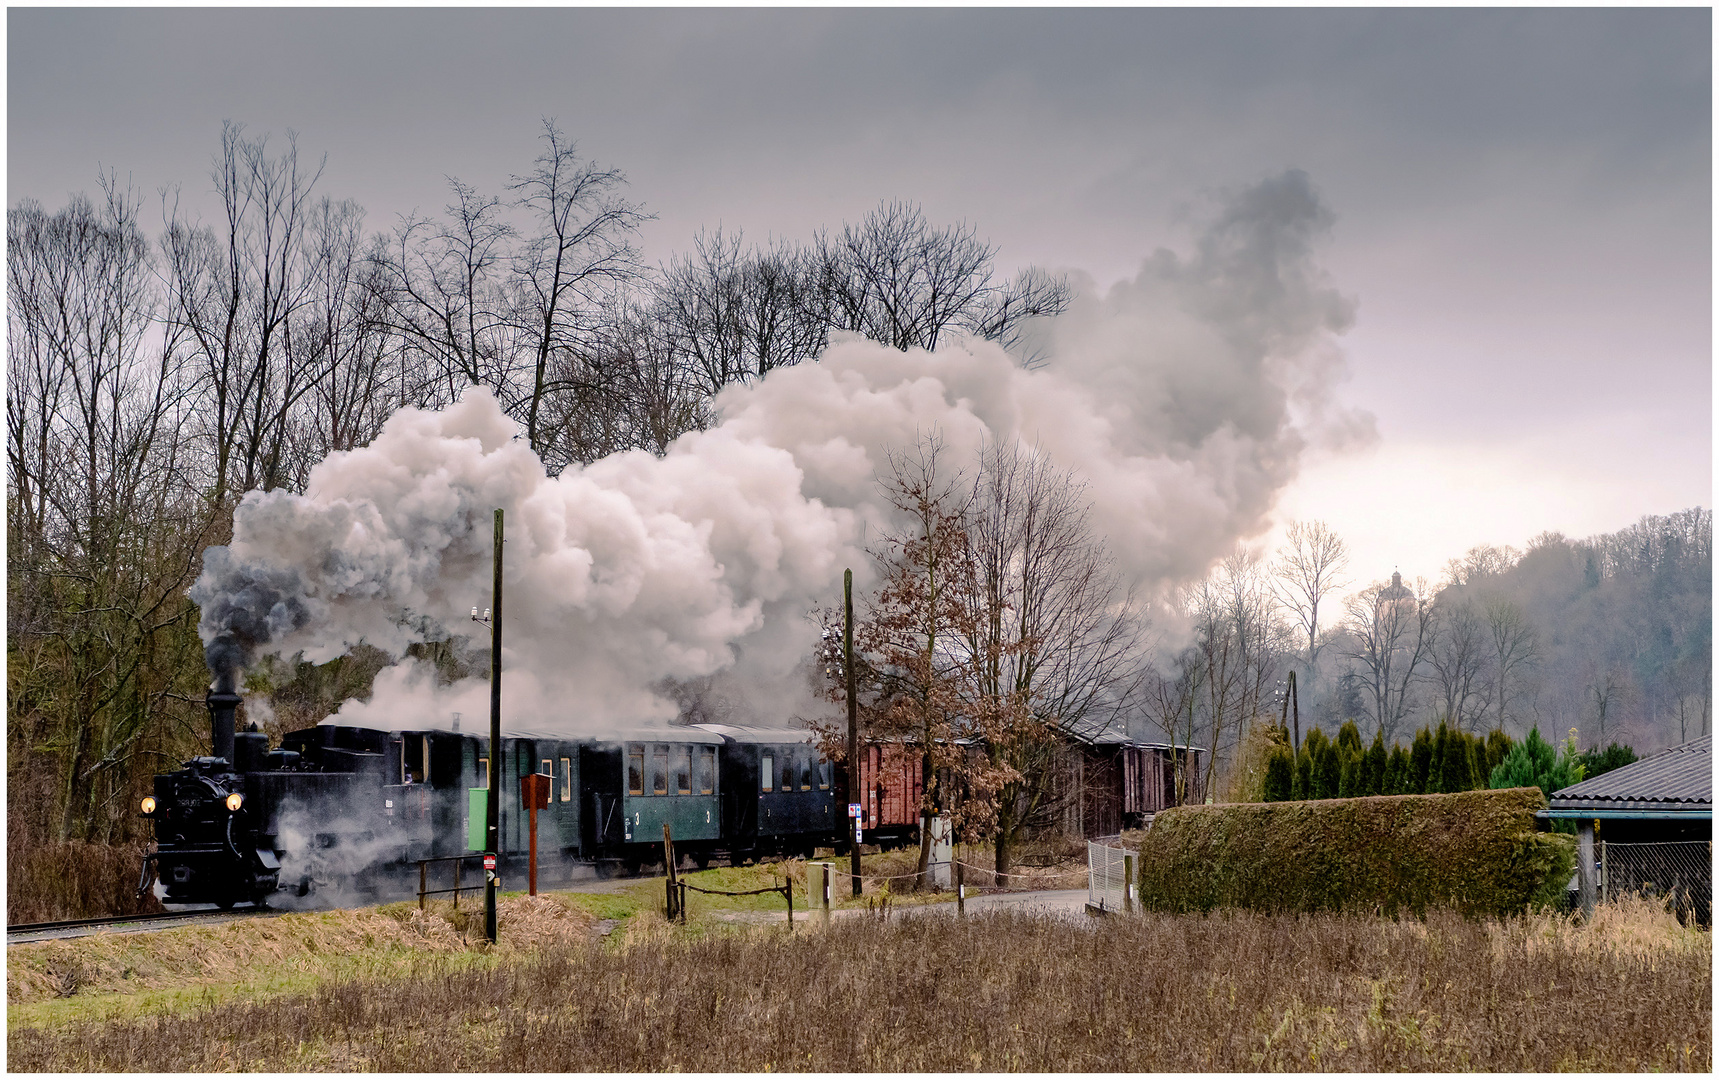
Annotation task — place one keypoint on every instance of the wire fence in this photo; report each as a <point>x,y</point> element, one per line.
<point>1107,876</point>
<point>1681,871</point>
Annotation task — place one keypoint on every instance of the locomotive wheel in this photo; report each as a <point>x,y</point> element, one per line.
<point>632,864</point>
<point>701,860</point>
<point>225,903</point>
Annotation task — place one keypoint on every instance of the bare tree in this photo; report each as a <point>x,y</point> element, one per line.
<point>340,331</point>
<point>1049,635</point>
<point>1457,663</point>
<point>739,315</point>
<point>1240,644</point>
<point>234,292</point>
<point>579,249</point>
<point>1515,650</point>
<point>101,522</point>
<point>1480,563</point>
<point>441,289</point>
<point>1308,569</point>
<point>1391,630</point>
<point>900,281</point>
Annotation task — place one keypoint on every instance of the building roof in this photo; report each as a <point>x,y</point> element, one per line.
<point>1674,783</point>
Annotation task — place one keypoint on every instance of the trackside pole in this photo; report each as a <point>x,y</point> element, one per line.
<point>492,809</point>
<point>853,720</point>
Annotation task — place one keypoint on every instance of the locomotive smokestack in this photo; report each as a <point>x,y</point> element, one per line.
<point>223,706</point>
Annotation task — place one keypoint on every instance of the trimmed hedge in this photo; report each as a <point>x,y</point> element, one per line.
<point>1474,851</point>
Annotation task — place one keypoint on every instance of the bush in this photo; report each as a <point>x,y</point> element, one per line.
<point>49,880</point>
<point>1597,761</point>
<point>1475,851</point>
<point>1534,762</point>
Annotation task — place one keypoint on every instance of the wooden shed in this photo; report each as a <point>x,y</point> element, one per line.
<point>1122,782</point>
<point>1647,826</point>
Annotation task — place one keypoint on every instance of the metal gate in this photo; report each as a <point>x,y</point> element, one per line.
<point>1107,885</point>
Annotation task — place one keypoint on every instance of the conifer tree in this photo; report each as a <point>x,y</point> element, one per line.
<point>1349,737</point>
<point>1498,746</point>
<point>1301,784</point>
<point>1420,764</point>
<point>1279,775</point>
<point>1327,772</point>
<point>1348,772</point>
<point>1453,766</point>
<point>1374,784</point>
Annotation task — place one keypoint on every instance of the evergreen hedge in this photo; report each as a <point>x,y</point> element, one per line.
<point>1474,851</point>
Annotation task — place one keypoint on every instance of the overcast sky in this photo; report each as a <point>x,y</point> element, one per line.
<point>1522,198</point>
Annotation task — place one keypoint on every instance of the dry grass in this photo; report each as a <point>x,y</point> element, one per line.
<point>252,955</point>
<point>1236,991</point>
<point>49,880</point>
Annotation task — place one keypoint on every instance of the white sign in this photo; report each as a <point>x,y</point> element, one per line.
<point>853,809</point>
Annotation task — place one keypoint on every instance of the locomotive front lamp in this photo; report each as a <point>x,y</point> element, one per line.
<point>149,804</point>
<point>235,800</point>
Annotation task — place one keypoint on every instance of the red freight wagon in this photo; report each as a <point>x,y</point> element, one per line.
<point>889,794</point>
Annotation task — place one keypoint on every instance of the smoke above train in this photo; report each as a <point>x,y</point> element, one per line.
<point>1184,397</point>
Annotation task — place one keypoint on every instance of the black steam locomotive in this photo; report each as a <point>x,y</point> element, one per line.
<point>358,807</point>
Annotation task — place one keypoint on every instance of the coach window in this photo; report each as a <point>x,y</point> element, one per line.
<point>806,768</point>
<point>566,779</point>
<point>659,769</point>
<point>788,764</point>
<point>767,772</point>
<point>635,770</point>
<point>707,770</point>
<point>548,768</point>
<point>683,769</point>
<point>483,772</point>
<point>823,776</point>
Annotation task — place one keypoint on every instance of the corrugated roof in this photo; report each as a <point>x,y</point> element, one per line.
<point>1680,778</point>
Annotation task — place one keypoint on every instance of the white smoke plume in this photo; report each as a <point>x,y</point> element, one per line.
<point>1184,396</point>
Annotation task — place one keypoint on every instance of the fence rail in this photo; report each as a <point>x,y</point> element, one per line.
<point>1680,870</point>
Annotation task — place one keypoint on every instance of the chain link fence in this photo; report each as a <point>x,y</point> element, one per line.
<point>1680,870</point>
<point>1106,876</point>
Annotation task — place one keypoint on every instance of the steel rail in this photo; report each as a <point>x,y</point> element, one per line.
<point>115,920</point>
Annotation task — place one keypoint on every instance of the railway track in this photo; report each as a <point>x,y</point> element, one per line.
<point>130,924</point>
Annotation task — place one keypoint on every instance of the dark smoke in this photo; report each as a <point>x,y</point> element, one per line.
<point>244,607</point>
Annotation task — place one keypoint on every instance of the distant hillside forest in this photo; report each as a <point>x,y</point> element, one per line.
<point>1611,636</point>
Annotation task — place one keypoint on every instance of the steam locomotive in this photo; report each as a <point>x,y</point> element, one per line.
<point>357,807</point>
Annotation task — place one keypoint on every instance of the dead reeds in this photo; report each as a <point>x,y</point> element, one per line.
<point>1232,991</point>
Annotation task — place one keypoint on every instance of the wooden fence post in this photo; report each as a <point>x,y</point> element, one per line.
<point>673,882</point>
<point>961,889</point>
<point>1128,883</point>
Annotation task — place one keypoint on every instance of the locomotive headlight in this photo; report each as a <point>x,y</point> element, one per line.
<point>235,800</point>
<point>149,804</point>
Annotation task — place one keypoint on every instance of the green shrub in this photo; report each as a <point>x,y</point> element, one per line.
<point>1377,758</point>
<point>1421,764</point>
<point>1597,761</point>
<point>1327,771</point>
<point>1279,776</point>
<point>1475,851</point>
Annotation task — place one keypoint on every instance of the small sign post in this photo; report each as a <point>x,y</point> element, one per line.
<point>859,821</point>
<point>534,793</point>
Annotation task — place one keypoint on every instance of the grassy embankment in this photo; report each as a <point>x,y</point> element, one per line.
<point>389,989</point>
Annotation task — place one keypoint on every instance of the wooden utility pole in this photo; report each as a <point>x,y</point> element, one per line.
<point>854,797</point>
<point>492,804</point>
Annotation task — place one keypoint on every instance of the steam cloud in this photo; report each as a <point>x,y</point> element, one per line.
<point>1184,396</point>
